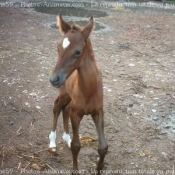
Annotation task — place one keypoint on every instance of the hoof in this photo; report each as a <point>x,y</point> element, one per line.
<point>75,174</point>
<point>53,150</point>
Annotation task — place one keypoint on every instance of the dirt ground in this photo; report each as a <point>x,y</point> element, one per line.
<point>137,58</point>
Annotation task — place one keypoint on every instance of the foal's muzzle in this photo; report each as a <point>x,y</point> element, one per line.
<point>57,81</point>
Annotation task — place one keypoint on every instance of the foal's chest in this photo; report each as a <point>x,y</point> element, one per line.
<point>87,105</point>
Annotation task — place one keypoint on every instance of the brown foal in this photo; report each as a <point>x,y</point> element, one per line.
<point>80,88</point>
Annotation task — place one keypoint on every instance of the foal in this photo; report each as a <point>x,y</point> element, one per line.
<point>80,88</point>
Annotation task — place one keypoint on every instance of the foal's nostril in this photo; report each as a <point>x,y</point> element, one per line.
<point>54,80</point>
<point>57,79</point>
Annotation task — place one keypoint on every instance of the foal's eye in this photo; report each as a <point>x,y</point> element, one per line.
<point>77,53</point>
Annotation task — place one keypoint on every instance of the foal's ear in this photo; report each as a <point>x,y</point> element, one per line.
<point>88,28</point>
<point>64,27</point>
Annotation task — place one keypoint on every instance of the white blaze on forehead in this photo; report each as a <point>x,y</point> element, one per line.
<point>66,43</point>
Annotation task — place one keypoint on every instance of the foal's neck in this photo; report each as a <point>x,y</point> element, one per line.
<point>88,72</point>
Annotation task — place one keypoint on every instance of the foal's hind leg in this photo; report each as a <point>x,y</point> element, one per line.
<point>66,136</point>
<point>62,100</point>
<point>102,144</point>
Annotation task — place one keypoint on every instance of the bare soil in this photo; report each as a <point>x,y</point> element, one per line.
<point>137,58</point>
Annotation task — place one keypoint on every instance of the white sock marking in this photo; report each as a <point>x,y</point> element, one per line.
<point>66,43</point>
<point>52,138</point>
<point>66,138</point>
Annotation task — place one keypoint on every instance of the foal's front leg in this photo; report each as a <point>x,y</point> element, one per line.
<point>75,144</point>
<point>66,136</point>
<point>102,144</point>
<point>60,103</point>
<point>56,112</point>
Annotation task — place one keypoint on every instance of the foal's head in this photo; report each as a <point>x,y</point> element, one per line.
<point>70,50</point>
